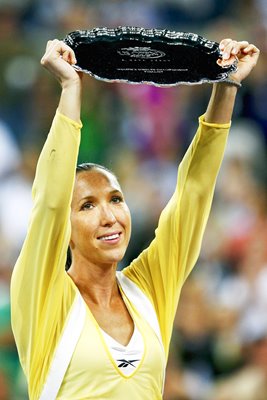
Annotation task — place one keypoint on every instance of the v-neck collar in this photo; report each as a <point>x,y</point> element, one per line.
<point>107,350</point>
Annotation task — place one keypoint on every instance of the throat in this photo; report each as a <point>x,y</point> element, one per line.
<point>97,289</point>
<point>114,319</point>
<point>104,300</point>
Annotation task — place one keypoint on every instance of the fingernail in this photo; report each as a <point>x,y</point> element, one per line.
<point>225,56</point>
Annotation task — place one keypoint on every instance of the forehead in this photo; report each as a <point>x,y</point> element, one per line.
<point>89,182</point>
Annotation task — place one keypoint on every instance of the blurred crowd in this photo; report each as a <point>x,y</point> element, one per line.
<point>219,344</point>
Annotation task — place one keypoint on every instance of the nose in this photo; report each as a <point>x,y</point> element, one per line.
<point>107,217</point>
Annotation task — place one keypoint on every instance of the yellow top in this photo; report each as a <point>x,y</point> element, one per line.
<point>94,374</point>
<point>42,293</point>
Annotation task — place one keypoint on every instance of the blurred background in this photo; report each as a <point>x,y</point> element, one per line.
<point>219,345</point>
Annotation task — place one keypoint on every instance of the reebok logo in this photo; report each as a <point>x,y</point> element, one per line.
<point>126,363</point>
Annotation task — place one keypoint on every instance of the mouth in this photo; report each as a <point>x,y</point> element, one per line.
<point>110,238</point>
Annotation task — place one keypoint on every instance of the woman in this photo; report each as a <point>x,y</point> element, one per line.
<point>94,333</point>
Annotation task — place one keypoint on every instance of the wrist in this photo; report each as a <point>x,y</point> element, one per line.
<point>70,84</point>
<point>221,103</point>
<point>230,81</point>
<point>225,88</point>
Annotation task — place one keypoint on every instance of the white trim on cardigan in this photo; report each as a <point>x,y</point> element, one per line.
<point>65,350</point>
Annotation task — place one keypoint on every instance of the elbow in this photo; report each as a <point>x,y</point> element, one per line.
<point>196,190</point>
<point>52,204</point>
<point>51,198</point>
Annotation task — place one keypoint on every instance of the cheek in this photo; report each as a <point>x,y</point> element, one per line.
<point>75,224</point>
<point>74,236</point>
<point>128,219</point>
<point>81,227</point>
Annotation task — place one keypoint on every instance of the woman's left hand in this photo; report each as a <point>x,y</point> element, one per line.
<point>246,53</point>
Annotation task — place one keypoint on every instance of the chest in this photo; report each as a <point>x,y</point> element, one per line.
<point>117,322</point>
<point>94,373</point>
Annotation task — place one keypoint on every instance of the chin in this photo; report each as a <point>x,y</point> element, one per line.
<point>116,257</point>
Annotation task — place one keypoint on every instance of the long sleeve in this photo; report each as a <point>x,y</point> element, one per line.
<point>39,279</point>
<point>162,268</point>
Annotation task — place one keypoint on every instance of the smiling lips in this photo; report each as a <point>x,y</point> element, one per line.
<point>112,237</point>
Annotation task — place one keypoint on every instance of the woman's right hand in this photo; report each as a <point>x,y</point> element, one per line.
<point>58,59</point>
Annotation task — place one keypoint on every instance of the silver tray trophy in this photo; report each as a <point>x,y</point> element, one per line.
<point>155,56</point>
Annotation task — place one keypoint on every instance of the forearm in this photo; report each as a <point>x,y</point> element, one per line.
<point>221,104</point>
<point>70,100</point>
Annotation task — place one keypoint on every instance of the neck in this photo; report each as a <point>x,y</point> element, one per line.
<point>97,285</point>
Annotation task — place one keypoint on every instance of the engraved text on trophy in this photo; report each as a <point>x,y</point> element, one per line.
<point>141,52</point>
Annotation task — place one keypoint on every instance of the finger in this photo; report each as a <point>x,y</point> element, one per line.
<point>228,49</point>
<point>56,48</point>
<point>231,48</point>
<point>224,43</point>
<point>67,53</point>
<point>251,48</point>
<point>50,47</point>
<point>253,52</point>
<point>63,50</point>
<point>51,44</point>
<point>245,47</point>
<point>226,63</point>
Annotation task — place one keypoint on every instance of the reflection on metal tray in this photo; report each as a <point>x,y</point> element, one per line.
<point>155,56</point>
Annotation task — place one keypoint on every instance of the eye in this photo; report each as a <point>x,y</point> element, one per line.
<point>87,206</point>
<point>117,199</point>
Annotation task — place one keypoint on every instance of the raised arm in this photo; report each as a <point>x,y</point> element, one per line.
<point>162,268</point>
<point>222,101</point>
<point>38,281</point>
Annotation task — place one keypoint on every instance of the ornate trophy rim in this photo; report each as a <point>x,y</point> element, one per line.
<point>166,39</point>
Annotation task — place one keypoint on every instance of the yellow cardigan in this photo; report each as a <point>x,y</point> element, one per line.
<point>41,292</point>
